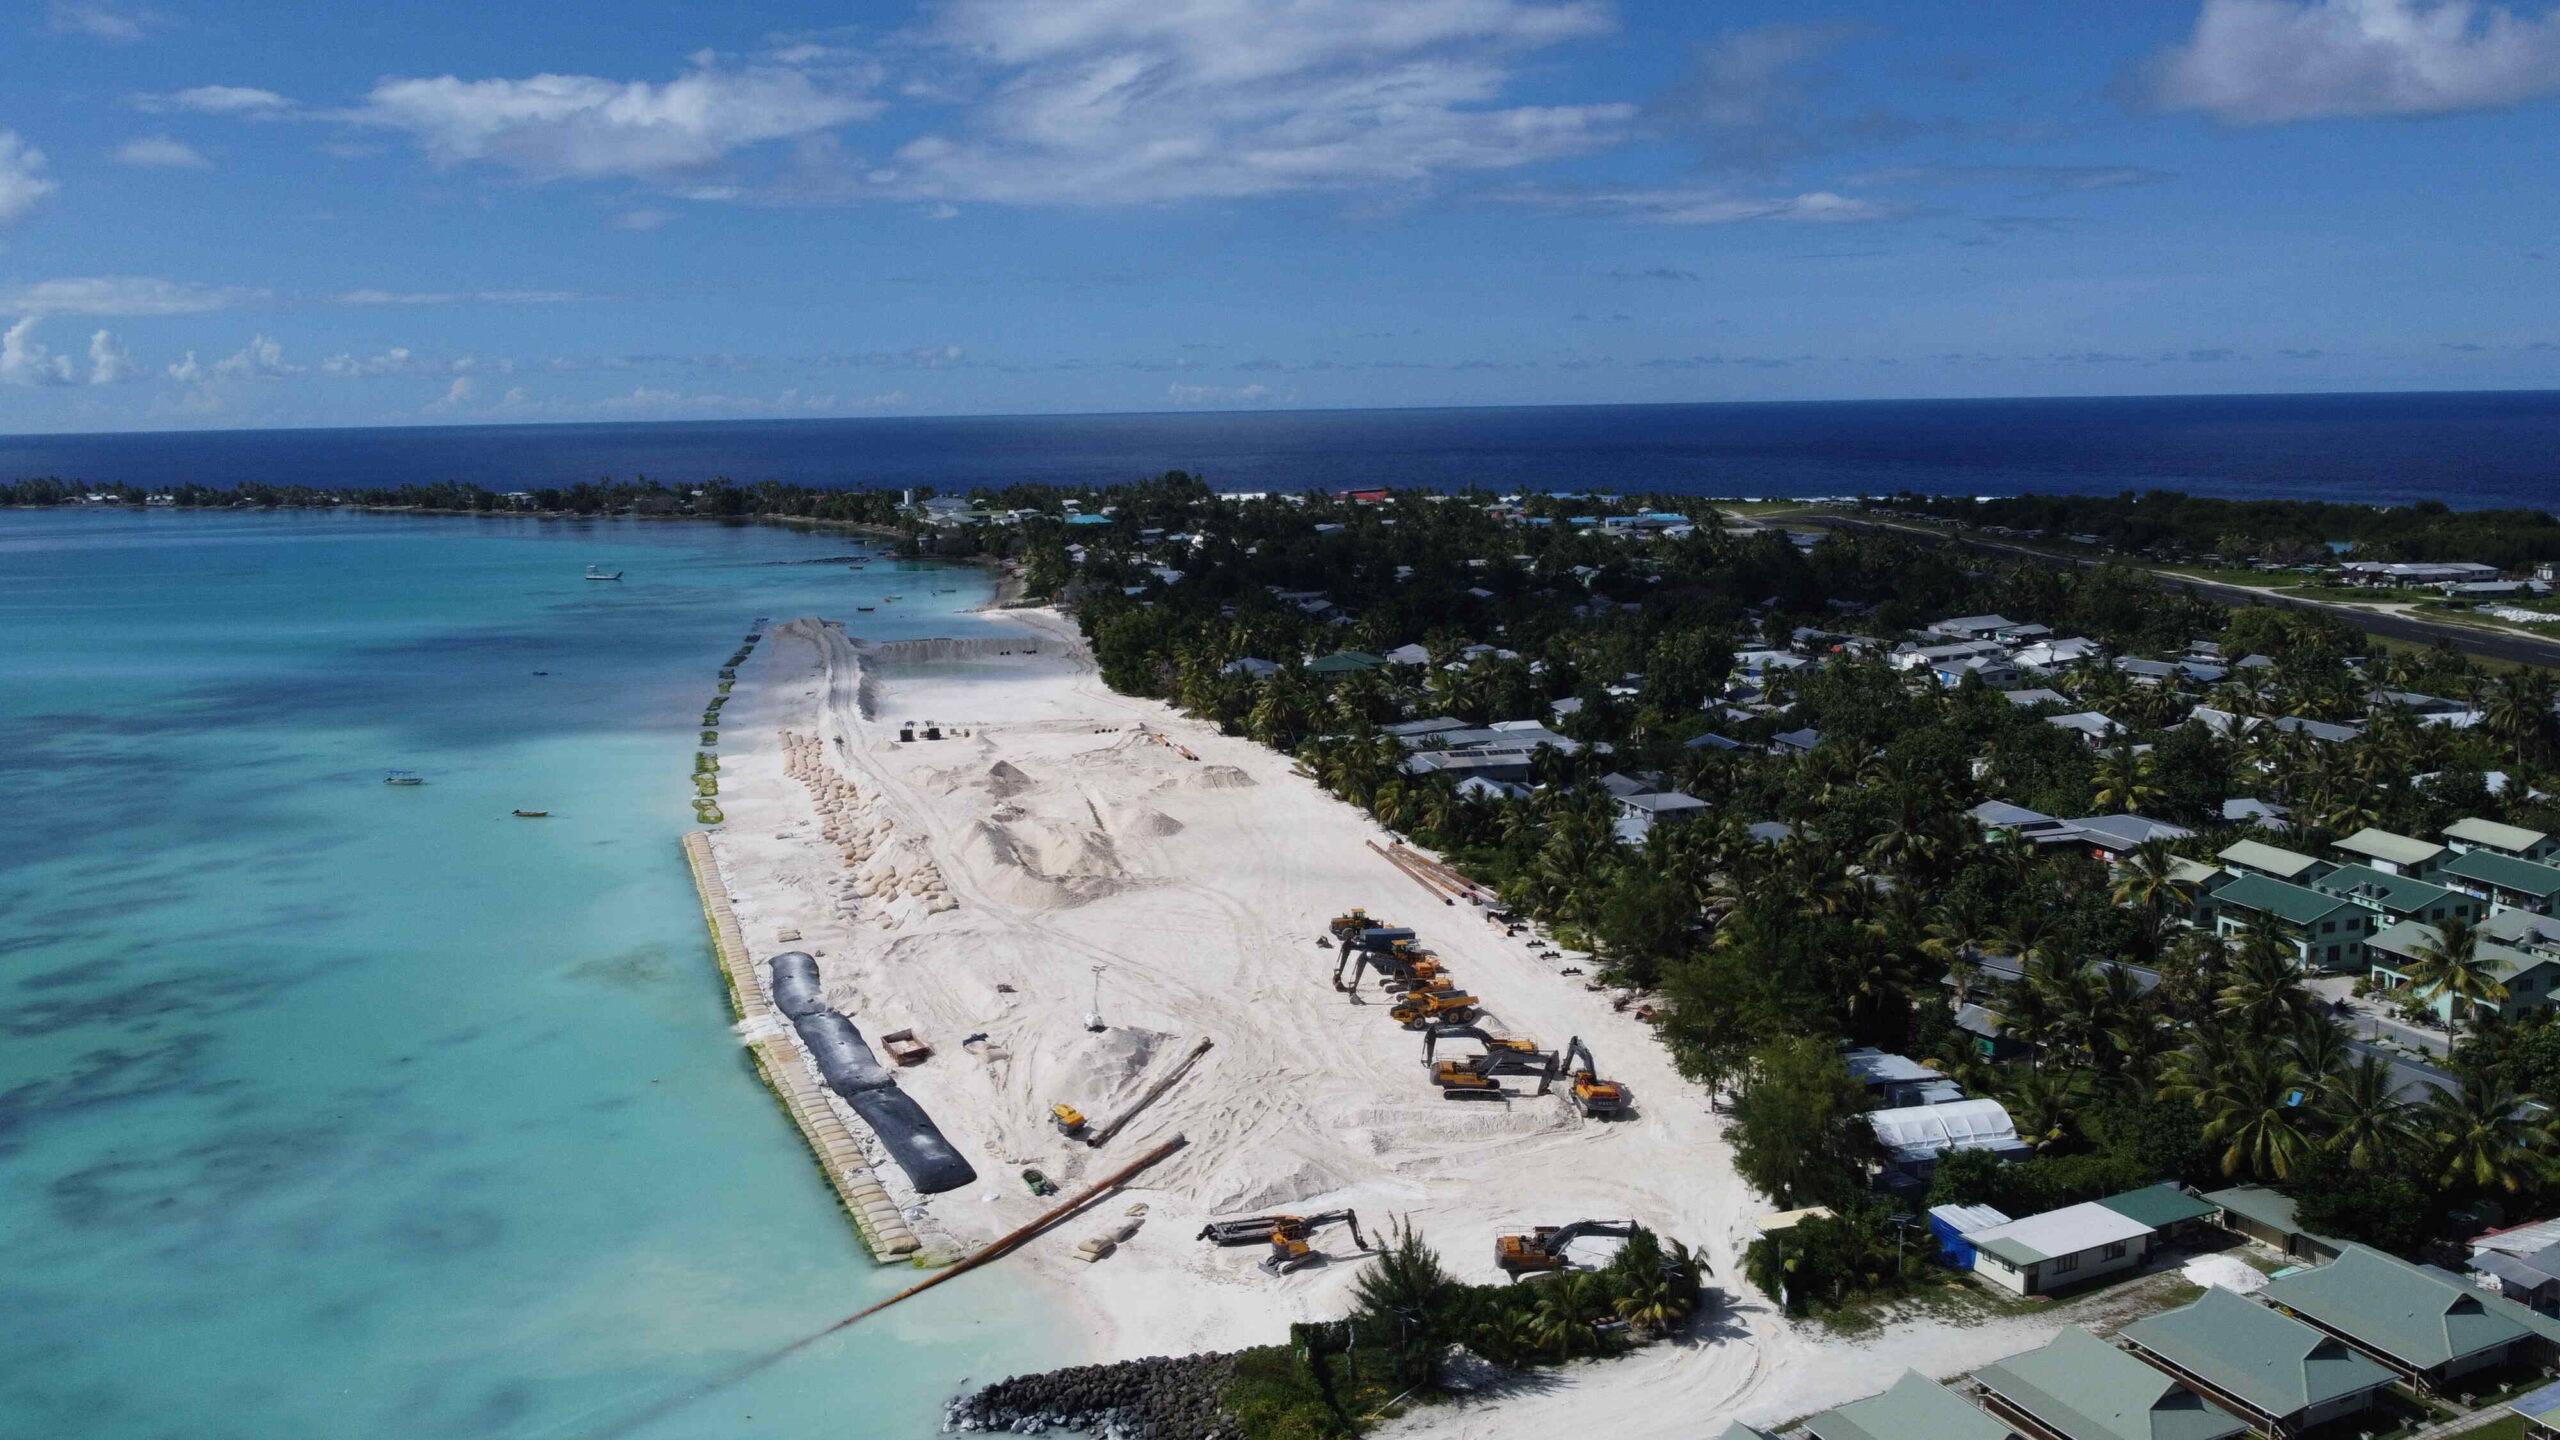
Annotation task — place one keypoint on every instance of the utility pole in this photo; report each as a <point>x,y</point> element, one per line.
<point>1093,1017</point>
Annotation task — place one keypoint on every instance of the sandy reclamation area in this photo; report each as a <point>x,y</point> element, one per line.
<point>993,871</point>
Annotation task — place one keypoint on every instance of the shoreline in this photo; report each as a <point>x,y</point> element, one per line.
<point>1070,827</point>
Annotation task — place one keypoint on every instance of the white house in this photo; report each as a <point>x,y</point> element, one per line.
<point>2059,1248</point>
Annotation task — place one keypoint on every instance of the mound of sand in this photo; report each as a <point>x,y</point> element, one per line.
<point>1044,864</point>
<point>1144,820</point>
<point>1004,780</point>
<point>1103,1065</point>
<point>1220,777</point>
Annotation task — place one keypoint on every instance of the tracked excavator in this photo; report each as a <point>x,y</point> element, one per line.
<point>1477,1075</point>
<point>1373,948</point>
<point>1543,1250</point>
<point>1287,1236</point>
<point>1594,1097</point>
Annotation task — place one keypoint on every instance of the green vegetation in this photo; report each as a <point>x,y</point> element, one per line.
<point>2287,532</point>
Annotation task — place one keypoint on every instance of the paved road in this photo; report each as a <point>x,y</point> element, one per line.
<point>2515,649</point>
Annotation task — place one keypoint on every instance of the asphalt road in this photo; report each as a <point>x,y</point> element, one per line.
<point>2515,649</point>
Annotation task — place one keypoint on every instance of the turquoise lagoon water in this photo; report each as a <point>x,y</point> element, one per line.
<point>331,1109</point>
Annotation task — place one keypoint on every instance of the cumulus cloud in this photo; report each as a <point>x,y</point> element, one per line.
<point>240,100</point>
<point>261,359</point>
<point>1710,206</point>
<point>549,127</point>
<point>2268,62</point>
<point>99,20</point>
<point>160,152</point>
<point>370,295</point>
<point>791,401</point>
<point>121,295</point>
<point>2037,182</point>
<point>456,395</point>
<point>24,360</point>
<point>1117,101</point>
<point>1181,394</point>
<point>22,178</point>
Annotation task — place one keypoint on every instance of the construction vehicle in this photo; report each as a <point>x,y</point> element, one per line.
<point>1286,1234</point>
<point>1069,1120</point>
<point>1503,1055</point>
<point>1594,1097</point>
<point>1357,920</point>
<point>1543,1250</point>
<point>1423,1007</point>
<point>1369,948</point>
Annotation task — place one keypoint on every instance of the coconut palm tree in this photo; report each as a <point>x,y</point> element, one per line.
<point>2485,1136</point>
<point>2255,1111</point>
<point>2367,1120</point>
<point>2123,780</point>
<point>2148,883</point>
<point>2450,970</point>
<point>1565,1311</point>
<point>2263,991</point>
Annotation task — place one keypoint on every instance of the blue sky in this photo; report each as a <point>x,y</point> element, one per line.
<point>244,213</point>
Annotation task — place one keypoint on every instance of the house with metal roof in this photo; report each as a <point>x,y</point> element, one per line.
<point>1344,662</point>
<point>2168,1208</point>
<point>2113,837</point>
<point>2398,897</point>
<point>2426,1325</point>
<point>2095,730</point>
<point>2248,810</point>
<point>1414,733</point>
<point>2267,1216</point>
<point>1916,1408</point>
<point>1795,742</point>
<point>2252,857</point>
<point>1995,816</point>
<point>2326,932</point>
<point>2279,1374</point>
<point>1896,1081</point>
<point>2059,1248</point>
<point>2079,1387</point>
<point>1739,1431</point>
<point>2541,1412</point>
<point>2392,854</point>
<point>1914,1136</point>
<point>2514,841</point>
<point>2504,881</point>
<point>1973,627</point>
<point>2532,980</point>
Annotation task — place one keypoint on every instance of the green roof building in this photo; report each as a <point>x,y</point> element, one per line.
<point>2326,932</point>
<point>2426,1324</point>
<point>1916,1408</point>
<point>2514,840</point>
<point>2397,896</point>
<point>2397,854</point>
<point>2504,881</point>
<point>2253,857</point>
<point>2532,981</point>
<point>2079,1387</point>
<point>1739,1431</point>
<point>2164,1207</point>
<point>2270,1369</point>
<point>2541,1412</point>
<point>1343,662</point>
<point>2267,1217</point>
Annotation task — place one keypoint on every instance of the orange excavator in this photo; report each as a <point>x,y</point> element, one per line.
<point>1479,1075</point>
<point>1287,1236</point>
<point>1596,1098</point>
<point>1370,948</point>
<point>1543,1249</point>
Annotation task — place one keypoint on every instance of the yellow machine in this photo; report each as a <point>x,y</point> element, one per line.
<point>1357,920</point>
<point>1466,1079</point>
<point>1069,1120</point>
<point>1423,1007</point>
<point>1593,1096</point>
<point>1544,1249</point>
<point>1287,1234</point>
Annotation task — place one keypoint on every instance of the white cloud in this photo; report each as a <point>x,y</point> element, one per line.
<point>2267,62</point>
<point>1117,101</point>
<point>25,361</point>
<point>99,20</point>
<point>370,295</point>
<point>644,400</point>
<point>242,100</point>
<point>261,359</point>
<point>1217,394</point>
<point>162,153</point>
<point>121,295</point>
<point>456,395</point>
<point>559,126</point>
<point>22,181</point>
<point>109,363</point>
<point>1711,207</point>
<point>644,218</point>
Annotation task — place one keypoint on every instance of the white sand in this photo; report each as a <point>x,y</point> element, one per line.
<point>1065,836</point>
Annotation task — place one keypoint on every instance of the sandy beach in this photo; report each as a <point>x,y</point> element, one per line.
<point>975,883</point>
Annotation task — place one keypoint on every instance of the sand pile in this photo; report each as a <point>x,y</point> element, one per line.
<point>1220,777</point>
<point>1043,863</point>
<point>887,875</point>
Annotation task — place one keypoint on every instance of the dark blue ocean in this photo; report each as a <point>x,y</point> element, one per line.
<point>2470,450</point>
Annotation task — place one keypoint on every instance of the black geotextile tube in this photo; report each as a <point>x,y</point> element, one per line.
<point>912,1140</point>
<point>796,992</point>
<point>847,1063</point>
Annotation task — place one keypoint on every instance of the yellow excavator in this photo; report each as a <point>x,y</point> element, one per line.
<point>1352,923</point>
<point>1543,1249</point>
<point>1286,1234</point>
<point>1596,1098</point>
<point>1069,1120</point>
<point>1480,1075</point>
<point>1369,948</point>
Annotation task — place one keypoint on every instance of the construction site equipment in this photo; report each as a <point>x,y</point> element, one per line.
<point>1468,1079</point>
<point>1593,1096</point>
<point>1069,1120</point>
<point>1503,1055</point>
<point>1106,1131</point>
<point>1543,1249</point>
<point>1371,948</point>
<point>1004,1245</point>
<point>904,1048</point>
<point>1342,925</point>
<point>1286,1234</point>
<point>1424,1007</point>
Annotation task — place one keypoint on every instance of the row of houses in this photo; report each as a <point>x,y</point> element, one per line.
<point>2316,1351</point>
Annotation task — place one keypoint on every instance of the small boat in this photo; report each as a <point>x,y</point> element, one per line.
<point>598,572</point>
<point>865,609</point>
<point>402,777</point>
<point>533,814</point>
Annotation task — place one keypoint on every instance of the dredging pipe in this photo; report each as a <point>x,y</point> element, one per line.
<point>994,1250</point>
